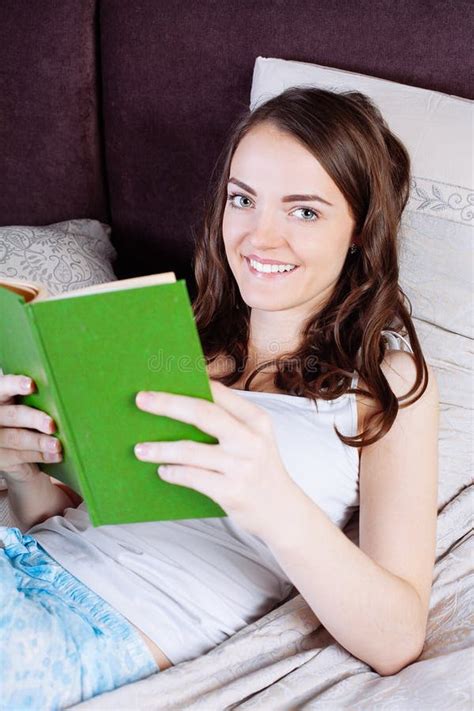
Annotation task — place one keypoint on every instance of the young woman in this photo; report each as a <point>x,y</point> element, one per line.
<point>298,295</point>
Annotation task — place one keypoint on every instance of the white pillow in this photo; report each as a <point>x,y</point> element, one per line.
<point>436,254</point>
<point>436,128</point>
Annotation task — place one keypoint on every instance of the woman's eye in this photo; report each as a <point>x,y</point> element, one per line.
<point>231,197</point>
<point>313,214</point>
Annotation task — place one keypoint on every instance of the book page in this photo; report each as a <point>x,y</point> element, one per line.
<point>28,289</point>
<point>34,291</point>
<point>119,285</point>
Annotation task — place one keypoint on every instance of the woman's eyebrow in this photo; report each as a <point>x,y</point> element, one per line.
<point>287,198</point>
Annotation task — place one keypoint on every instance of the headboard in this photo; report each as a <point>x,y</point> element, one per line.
<point>117,110</point>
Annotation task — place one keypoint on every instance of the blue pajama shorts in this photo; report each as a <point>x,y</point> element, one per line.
<point>60,643</point>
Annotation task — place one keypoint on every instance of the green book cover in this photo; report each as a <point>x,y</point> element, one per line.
<point>89,354</point>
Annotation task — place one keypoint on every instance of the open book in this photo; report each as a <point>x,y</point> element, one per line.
<point>89,352</point>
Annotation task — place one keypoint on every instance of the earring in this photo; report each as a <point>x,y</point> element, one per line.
<point>353,248</point>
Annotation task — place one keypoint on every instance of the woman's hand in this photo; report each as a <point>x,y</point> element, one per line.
<point>243,473</point>
<point>20,445</point>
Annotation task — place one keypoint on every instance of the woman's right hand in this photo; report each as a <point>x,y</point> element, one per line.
<point>22,443</point>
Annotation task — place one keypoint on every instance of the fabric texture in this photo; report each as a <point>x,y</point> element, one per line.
<point>51,163</point>
<point>64,256</point>
<point>287,660</point>
<point>59,642</point>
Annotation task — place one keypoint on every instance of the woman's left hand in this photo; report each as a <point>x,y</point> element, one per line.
<point>243,473</point>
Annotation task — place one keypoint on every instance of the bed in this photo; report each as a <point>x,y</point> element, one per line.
<point>113,115</point>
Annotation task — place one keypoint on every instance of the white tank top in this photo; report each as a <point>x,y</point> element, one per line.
<point>190,584</point>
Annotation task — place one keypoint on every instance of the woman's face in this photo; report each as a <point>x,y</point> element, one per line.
<point>270,219</point>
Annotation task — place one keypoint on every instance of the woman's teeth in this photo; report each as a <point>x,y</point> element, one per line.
<point>271,267</point>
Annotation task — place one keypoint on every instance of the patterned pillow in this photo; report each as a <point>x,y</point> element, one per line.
<point>63,256</point>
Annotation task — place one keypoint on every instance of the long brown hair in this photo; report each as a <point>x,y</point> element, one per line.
<point>371,168</point>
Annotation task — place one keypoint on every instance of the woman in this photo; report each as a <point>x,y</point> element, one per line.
<point>298,293</point>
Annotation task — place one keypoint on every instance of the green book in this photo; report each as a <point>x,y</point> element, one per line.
<point>89,353</point>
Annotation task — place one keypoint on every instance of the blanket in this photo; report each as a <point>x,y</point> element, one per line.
<point>288,660</point>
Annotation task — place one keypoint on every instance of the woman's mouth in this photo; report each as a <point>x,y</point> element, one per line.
<point>268,271</point>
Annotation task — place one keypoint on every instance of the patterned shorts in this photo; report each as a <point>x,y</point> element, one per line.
<point>60,643</point>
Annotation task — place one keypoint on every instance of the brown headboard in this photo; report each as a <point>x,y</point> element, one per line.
<point>117,110</point>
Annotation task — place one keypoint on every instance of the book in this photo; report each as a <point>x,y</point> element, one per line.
<point>90,351</point>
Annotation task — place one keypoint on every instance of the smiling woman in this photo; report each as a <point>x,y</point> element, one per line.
<point>296,266</point>
<point>307,288</point>
<point>279,230</point>
<point>319,325</point>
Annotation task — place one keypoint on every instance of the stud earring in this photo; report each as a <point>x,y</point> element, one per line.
<point>353,248</point>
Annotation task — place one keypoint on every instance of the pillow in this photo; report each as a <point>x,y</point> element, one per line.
<point>435,241</point>
<point>64,256</point>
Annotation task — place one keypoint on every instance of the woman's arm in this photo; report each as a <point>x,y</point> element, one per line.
<point>374,599</point>
<point>36,499</point>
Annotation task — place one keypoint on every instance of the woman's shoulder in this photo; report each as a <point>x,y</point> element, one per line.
<point>399,368</point>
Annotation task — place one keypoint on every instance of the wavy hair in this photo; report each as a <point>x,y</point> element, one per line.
<point>371,168</point>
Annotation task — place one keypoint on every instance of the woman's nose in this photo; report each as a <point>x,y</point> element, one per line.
<point>266,232</point>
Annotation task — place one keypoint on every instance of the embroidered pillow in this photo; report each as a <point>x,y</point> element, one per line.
<point>64,256</point>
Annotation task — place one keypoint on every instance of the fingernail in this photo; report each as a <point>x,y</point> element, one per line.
<point>141,450</point>
<point>48,424</point>
<point>143,397</point>
<point>25,384</point>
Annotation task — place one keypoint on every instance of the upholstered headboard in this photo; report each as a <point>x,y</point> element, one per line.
<point>117,110</point>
